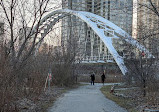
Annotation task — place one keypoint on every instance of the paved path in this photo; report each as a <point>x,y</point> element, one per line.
<point>85,99</point>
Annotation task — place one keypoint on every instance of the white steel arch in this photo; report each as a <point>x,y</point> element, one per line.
<point>101,27</point>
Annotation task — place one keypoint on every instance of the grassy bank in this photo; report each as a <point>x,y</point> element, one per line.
<point>45,100</point>
<point>123,102</point>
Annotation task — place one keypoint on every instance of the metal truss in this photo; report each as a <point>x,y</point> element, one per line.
<point>105,29</point>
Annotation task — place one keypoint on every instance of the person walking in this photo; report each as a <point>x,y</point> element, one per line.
<point>92,78</point>
<point>103,78</point>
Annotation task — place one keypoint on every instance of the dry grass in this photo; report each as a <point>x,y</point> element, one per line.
<point>123,102</point>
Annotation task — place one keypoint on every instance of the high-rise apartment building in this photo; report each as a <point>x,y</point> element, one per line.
<point>117,11</point>
<point>148,24</point>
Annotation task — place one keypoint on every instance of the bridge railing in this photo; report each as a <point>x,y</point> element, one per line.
<point>96,59</point>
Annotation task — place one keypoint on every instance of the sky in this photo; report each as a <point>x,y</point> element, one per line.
<point>26,7</point>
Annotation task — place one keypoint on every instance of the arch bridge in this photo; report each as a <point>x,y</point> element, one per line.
<point>100,26</point>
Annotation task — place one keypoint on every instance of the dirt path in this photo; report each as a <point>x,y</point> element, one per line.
<point>86,98</point>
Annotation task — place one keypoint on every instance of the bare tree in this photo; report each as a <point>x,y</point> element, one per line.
<point>20,18</point>
<point>64,58</point>
<point>143,70</point>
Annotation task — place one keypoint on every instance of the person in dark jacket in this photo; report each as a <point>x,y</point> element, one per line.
<point>92,79</point>
<point>103,78</point>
